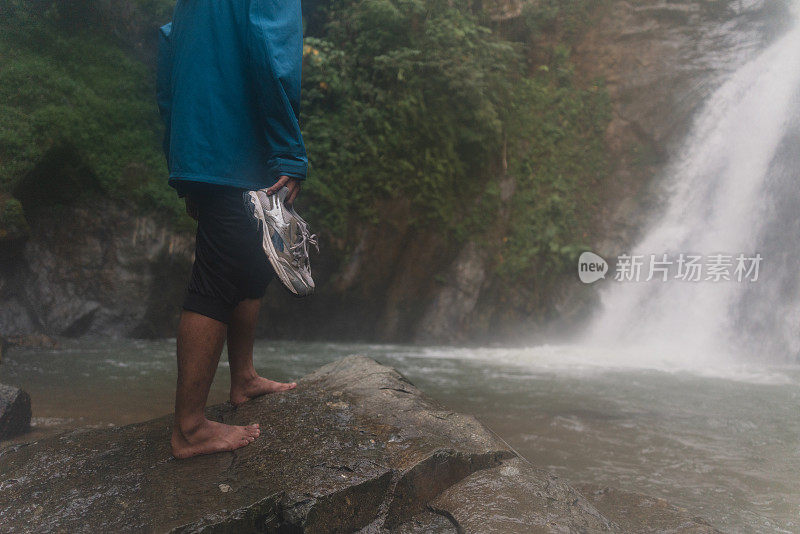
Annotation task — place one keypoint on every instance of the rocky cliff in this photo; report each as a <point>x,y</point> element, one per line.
<point>93,267</point>
<point>355,447</point>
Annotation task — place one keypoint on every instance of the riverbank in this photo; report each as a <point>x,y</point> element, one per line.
<point>356,445</point>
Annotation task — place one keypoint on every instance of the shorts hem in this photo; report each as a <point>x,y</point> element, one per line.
<point>210,307</point>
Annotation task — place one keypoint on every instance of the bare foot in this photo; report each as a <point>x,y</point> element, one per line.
<point>242,392</point>
<point>210,437</point>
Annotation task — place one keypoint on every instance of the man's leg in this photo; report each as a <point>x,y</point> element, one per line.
<point>200,341</point>
<point>245,382</point>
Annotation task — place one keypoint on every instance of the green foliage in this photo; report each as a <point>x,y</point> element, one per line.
<point>415,99</point>
<point>559,162</point>
<point>158,10</point>
<point>564,18</point>
<point>403,99</point>
<point>78,89</point>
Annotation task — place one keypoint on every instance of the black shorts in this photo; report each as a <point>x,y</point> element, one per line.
<point>230,264</point>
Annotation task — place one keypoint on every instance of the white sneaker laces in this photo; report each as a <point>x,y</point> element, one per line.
<point>299,249</point>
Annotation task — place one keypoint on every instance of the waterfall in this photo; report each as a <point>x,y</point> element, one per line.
<point>734,188</point>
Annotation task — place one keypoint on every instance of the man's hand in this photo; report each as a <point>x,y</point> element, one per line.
<point>293,184</point>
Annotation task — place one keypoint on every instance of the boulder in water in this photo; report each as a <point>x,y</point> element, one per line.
<point>15,411</point>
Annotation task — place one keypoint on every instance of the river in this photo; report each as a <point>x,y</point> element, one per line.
<point>723,442</point>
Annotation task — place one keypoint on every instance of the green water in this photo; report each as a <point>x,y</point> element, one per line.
<point>723,442</point>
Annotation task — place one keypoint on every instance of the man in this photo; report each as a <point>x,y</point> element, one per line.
<point>229,94</point>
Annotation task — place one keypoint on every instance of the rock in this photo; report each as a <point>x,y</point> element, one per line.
<point>354,446</point>
<point>451,315</point>
<point>94,267</point>
<point>15,411</point>
<point>517,497</point>
<point>445,317</point>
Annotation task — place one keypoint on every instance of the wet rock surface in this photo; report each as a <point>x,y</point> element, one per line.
<point>92,267</point>
<point>354,447</point>
<point>15,411</point>
<point>518,497</point>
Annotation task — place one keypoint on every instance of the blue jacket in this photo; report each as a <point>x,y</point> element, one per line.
<point>228,87</point>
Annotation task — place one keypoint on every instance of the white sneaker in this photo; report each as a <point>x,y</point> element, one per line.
<point>285,239</point>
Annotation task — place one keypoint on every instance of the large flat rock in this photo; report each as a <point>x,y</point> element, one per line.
<point>355,446</point>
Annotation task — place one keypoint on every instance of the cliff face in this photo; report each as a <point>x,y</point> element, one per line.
<point>94,266</point>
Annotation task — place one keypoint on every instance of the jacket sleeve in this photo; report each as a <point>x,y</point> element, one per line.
<point>163,81</point>
<point>275,47</point>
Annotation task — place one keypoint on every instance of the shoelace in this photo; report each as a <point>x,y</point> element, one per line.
<point>299,250</point>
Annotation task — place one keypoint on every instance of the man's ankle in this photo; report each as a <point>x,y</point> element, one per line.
<point>243,377</point>
<point>190,425</point>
